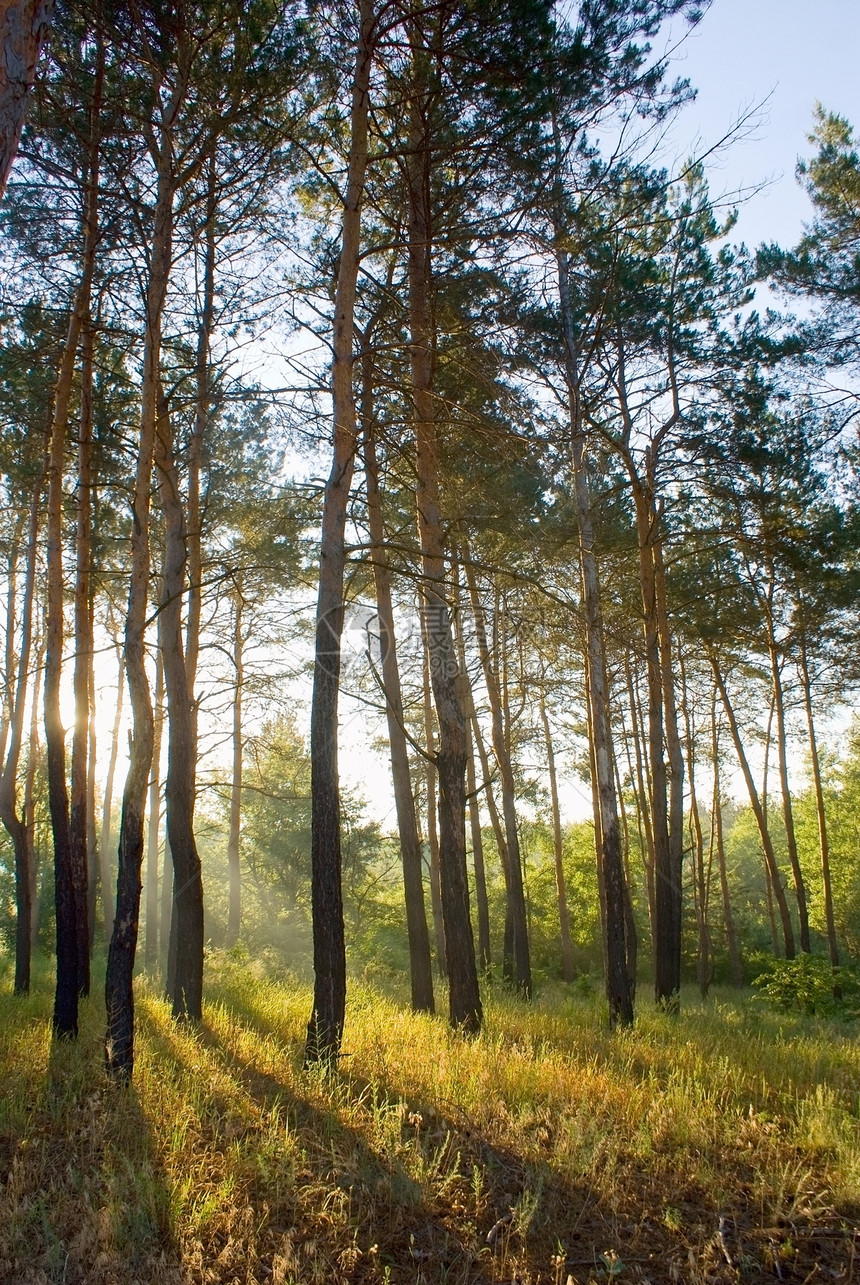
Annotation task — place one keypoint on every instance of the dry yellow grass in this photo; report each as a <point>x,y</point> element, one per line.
<point>720,1147</point>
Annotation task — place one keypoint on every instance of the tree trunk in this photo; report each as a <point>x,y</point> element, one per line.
<point>234,867</point>
<point>755,802</point>
<point>667,847</point>
<point>19,831</point>
<point>735,962</point>
<point>106,842</point>
<point>119,995</point>
<point>153,822</point>
<point>79,813</point>
<point>465,1009</point>
<point>823,843</point>
<point>701,875</point>
<point>643,809</point>
<point>558,850</point>
<point>420,968</point>
<point>787,810</point>
<point>516,896</point>
<point>185,957</point>
<point>432,827</point>
<point>618,991</point>
<point>325,1028</point>
<point>481,902</point>
<point>24,27</point>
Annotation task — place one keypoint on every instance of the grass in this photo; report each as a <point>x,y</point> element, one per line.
<point>722,1146</point>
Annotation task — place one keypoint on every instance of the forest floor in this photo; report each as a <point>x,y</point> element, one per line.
<point>720,1146</point>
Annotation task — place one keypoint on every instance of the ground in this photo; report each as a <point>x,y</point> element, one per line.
<point>720,1146</point>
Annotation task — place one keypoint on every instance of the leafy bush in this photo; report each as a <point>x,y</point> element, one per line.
<point>810,984</point>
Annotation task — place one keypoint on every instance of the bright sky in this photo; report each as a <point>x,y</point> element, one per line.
<point>795,51</point>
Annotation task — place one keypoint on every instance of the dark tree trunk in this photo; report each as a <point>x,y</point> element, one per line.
<point>608,840</point>
<point>420,968</point>
<point>19,831</point>
<point>119,993</point>
<point>558,850</point>
<point>516,894</point>
<point>787,810</point>
<point>481,902</point>
<point>758,811</point>
<point>823,842</point>
<point>432,827</point>
<point>735,962</point>
<point>153,822</point>
<point>234,867</point>
<point>185,962</point>
<point>325,1028</point>
<point>106,843</point>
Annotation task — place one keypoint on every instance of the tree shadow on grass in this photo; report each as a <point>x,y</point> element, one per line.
<point>83,1198</point>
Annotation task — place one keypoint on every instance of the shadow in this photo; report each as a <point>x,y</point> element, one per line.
<point>84,1198</point>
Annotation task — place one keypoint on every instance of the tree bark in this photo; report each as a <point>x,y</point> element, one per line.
<point>558,850</point>
<point>24,28</point>
<point>106,842</point>
<point>432,827</point>
<point>234,867</point>
<point>823,841</point>
<point>119,995</point>
<point>732,947</point>
<point>153,821</point>
<point>618,990</point>
<point>755,802</point>
<point>19,831</point>
<point>465,1009</point>
<point>420,968</point>
<point>325,1028</point>
<point>481,902</point>
<point>516,897</point>
<point>701,875</point>
<point>185,957</point>
<point>787,810</point>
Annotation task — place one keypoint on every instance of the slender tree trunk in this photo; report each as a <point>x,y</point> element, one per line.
<point>609,839</point>
<point>755,802</point>
<point>735,962</point>
<point>106,843</point>
<point>465,1009</point>
<point>79,815</point>
<point>119,995</point>
<point>153,821</point>
<point>234,911</point>
<point>202,411</point>
<point>432,827</point>
<point>29,808</point>
<point>787,810</point>
<point>185,959</point>
<point>823,842</point>
<point>16,825</point>
<point>497,828</point>
<point>24,27</point>
<point>325,1027</point>
<point>516,896</point>
<point>642,793</point>
<point>558,850</point>
<point>701,876</point>
<point>667,848</point>
<point>420,967</point>
<point>481,902</point>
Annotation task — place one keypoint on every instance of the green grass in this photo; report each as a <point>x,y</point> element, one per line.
<point>594,1156</point>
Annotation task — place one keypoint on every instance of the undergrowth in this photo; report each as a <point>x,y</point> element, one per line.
<point>720,1146</point>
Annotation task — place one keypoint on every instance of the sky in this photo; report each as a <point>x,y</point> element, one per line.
<point>786,55</point>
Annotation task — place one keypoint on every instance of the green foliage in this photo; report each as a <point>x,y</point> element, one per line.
<point>810,984</point>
